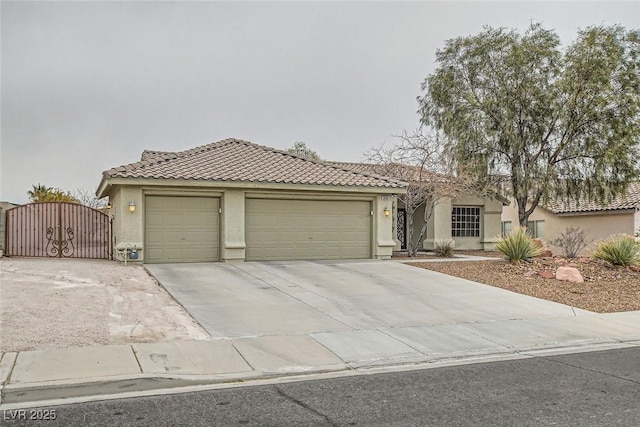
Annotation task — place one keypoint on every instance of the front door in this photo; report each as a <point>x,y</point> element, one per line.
<point>402,227</point>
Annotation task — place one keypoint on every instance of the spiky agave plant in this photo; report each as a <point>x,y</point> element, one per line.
<point>518,245</point>
<point>619,249</point>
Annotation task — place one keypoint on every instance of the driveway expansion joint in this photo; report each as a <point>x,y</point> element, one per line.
<point>135,355</point>
<point>9,372</point>
<point>291,296</point>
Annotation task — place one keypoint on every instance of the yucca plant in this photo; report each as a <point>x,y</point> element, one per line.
<point>444,248</point>
<point>619,249</point>
<point>518,245</point>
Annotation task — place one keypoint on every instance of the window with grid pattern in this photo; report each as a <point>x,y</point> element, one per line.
<point>465,221</point>
<point>536,228</point>
<point>506,228</point>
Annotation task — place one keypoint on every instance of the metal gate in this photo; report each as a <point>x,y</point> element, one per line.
<point>57,229</point>
<point>402,227</point>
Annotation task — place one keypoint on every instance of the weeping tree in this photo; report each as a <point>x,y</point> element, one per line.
<point>560,124</point>
<point>420,160</point>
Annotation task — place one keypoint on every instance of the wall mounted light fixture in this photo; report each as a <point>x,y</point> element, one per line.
<point>132,206</point>
<point>386,211</point>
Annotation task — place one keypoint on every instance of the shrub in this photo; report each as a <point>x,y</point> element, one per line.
<point>572,241</point>
<point>518,245</point>
<point>619,249</point>
<point>444,248</point>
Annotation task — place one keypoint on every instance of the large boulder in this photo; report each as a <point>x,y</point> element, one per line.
<point>545,251</point>
<point>570,274</point>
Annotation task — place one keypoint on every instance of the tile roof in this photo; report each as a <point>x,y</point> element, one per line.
<point>629,200</point>
<point>393,170</point>
<point>417,176</point>
<point>235,160</point>
<point>152,154</point>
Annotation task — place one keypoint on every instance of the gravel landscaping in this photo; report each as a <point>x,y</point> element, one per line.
<point>57,303</point>
<point>606,288</point>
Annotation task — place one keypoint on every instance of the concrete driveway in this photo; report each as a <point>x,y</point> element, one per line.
<point>371,312</point>
<point>289,298</point>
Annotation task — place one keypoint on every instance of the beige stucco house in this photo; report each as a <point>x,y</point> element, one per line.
<point>599,221</point>
<point>233,201</point>
<point>470,220</point>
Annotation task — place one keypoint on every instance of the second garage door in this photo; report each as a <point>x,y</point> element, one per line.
<point>307,229</point>
<point>182,229</point>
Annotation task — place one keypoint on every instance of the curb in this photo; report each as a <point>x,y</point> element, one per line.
<point>13,396</point>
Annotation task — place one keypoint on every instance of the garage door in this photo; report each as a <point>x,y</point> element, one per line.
<point>307,229</point>
<point>182,229</point>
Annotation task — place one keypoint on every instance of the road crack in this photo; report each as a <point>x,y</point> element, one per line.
<point>607,374</point>
<point>305,406</point>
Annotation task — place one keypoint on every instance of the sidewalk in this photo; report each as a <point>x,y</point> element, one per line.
<point>49,377</point>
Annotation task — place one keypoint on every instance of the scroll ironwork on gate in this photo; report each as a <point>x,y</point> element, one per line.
<point>402,227</point>
<point>57,229</point>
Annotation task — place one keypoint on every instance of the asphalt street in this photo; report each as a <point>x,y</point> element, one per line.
<point>585,389</point>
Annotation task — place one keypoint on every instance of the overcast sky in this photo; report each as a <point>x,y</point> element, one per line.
<point>87,86</point>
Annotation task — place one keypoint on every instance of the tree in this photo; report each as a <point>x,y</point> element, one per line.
<point>41,193</point>
<point>420,160</point>
<point>87,198</point>
<point>300,148</point>
<point>559,124</point>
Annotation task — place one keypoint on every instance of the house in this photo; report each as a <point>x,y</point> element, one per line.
<point>470,220</point>
<point>233,201</point>
<point>598,220</point>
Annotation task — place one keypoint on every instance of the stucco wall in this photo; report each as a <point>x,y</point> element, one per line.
<point>439,227</point>
<point>4,206</point>
<point>128,227</point>
<point>596,226</point>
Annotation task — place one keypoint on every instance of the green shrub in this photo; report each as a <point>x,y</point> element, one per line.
<point>619,249</point>
<point>518,245</point>
<point>444,248</point>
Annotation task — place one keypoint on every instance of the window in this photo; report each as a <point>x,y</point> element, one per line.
<point>536,228</point>
<point>465,222</point>
<point>506,228</point>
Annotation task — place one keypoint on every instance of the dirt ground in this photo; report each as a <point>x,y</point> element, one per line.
<point>57,303</point>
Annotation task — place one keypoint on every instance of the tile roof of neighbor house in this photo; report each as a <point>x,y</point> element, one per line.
<point>242,161</point>
<point>392,170</point>
<point>415,174</point>
<point>629,200</point>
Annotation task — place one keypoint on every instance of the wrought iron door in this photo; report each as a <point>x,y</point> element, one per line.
<point>57,229</point>
<point>402,227</point>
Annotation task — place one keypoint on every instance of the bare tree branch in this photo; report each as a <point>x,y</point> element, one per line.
<point>420,159</point>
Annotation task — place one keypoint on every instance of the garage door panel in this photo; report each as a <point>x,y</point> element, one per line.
<point>182,229</point>
<point>307,229</point>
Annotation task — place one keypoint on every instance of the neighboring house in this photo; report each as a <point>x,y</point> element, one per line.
<point>4,206</point>
<point>599,221</point>
<point>233,200</point>
<point>471,221</point>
